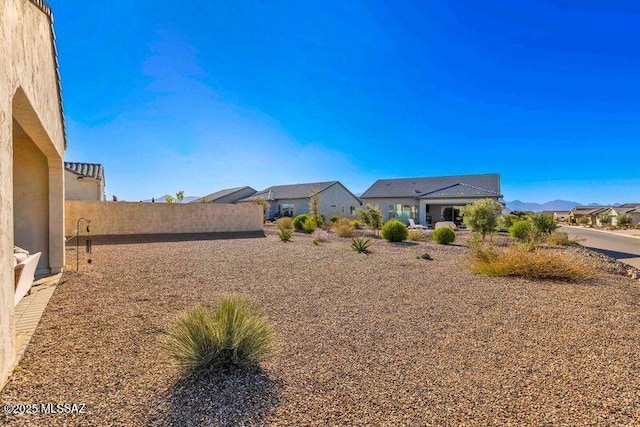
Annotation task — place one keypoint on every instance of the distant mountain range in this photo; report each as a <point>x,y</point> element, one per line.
<point>160,199</point>
<point>554,205</point>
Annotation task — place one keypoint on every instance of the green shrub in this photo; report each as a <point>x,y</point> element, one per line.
<point>583,220</point>
<point>394,231</point>
<point>299,220</point>
<point>444,236</point>
<point>624,221</point>
<point>518,260</point>
<point>285,234</point>
<point>233,333</point>
<point>506,221</point>
<point>310,225</point>
<point>416,235</point>
<point>334,218</point>
<point>284,223</point>
<point>521,230</point>
<point>425,256</point>
<point>357,224</point>
<point>344,228</point>
<point>361,245</point>
<point>482,216</point>
<point>542,224</point>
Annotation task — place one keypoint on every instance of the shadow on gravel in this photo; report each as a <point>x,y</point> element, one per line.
<point>230,397</point>
<point>612,254</point>
<point>184,237</point>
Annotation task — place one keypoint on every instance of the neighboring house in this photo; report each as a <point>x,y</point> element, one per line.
<point>431,199</point>
<point>291,200</point>
<point>625,209</point>
<point>590,212</point>
<point>559,216</point>
<point>635,216</point>
<point>84,181</point>
<point>228,195</point>
<point>32,144</point>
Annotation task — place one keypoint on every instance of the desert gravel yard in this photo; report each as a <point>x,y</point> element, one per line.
<point>379,339</point>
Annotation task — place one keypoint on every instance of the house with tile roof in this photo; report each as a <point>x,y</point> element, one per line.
<point>591,213</point>
<point>293,199</point>
<point>84,181</point>
<point>430,199</point>
<point>227,195</point>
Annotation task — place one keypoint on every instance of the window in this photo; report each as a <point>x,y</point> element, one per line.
<point>352,210</point>
<point>287,209</point>
<point>392,211</point>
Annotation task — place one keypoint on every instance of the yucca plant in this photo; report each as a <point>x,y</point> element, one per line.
<point>361,245</point>
<point>285,235</point>
<point>233,333</point>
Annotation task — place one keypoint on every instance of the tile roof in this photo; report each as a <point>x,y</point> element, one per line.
<point>44,7</point>
<point>221,193</point>
<point>487,185</point>
<point>90,170</point>
<point>589,210</point>
<point>292,191</point>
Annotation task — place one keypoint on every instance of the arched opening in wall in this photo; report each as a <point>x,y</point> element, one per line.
<point>38,188</point>
<point>30,197</point>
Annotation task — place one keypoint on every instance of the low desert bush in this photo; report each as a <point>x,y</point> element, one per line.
<point>320,235</point>
<point>559,238</point>
<point>232,333</point>
<point>416,235</point>
<point>425,256</point>
<point>444,236</point>
<point>361,245</point>
<point>334,218</point>
<point>521,230</point>
<point>518,260</point>
<point>285,234</point>
<point>299,220</point>
<point>542,224</point>
<point>394,231</point>
<point>310,225</point>
<point>624,221</point>
<point>284,223</point>
<point>357,224</point>
<point>344,228</point>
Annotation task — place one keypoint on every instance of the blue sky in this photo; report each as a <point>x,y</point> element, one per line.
<point>209,95</point>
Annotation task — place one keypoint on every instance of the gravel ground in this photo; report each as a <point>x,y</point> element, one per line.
<point>382,339</point>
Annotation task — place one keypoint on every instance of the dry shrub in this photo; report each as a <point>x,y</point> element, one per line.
<point>320,235</point>
<point>344,228</point>
<point>559,238</point>
<point>517,260</point>
<point>285,223</point>
<point>416,235</point>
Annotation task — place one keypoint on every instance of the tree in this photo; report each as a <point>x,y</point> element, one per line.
<point>180,196</point>
<point>265,206</point>
<point>605,220</point>
<point>169,198</point>
<point>371,216</point>
<point>542,224</point>
<point>482,216</point>
<point>314,206</point>
<point>624,220</point>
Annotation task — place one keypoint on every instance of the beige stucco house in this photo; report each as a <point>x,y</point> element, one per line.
<point>32,143</point>
<point>84,181</point>
<point>430,199</point>
<point>291,200</point>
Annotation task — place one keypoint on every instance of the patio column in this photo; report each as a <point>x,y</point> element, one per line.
<point>56,215</point>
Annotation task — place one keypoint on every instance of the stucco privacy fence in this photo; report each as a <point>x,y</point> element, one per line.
<point>134,218</point>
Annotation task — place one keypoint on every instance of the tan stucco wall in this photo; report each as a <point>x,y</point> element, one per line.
<point>87,189</point>
<point>108,218</point>
<point>28,94</point>
<point>30,198</point>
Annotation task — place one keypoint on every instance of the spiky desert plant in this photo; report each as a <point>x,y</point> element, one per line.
<point>361,245</point>
<point>285,234</point>
<point>235,332</point>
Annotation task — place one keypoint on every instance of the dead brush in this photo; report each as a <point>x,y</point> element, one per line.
<point>416,236</point>
<point>519,261</point>
<point>344,228</point>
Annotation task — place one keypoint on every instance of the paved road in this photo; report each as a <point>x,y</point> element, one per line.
<point>623,248</point>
